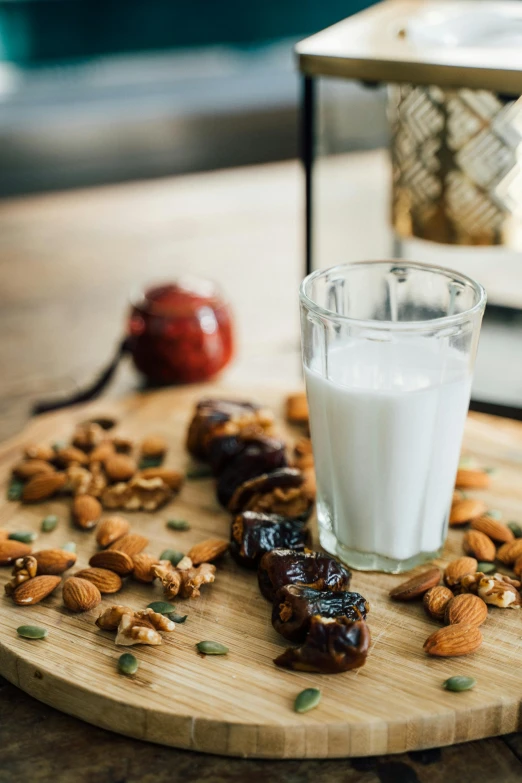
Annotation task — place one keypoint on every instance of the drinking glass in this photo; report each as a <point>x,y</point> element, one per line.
<point>388,353</point>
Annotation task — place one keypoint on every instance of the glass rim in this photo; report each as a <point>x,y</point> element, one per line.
<point>427,325</point>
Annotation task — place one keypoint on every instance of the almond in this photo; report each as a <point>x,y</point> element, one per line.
<point>119,562</point>
<point>12,550</point>
<point>453,640</point>
<point>472,479</point>
<point>32,467</point>
<point>71,455</point>
<point>110,529</point>
<point>106,581</point>
<point>458,568</point>
<point>464,511</point>
<point>86,511</point>
<point>297,408</point>
<point>122,444</point>
<point>153,446</point>
<point>479,545</point>
<point>120,467</point>
<point>131,544</point>
<point>143,567</point>
<point>80,595</point>
<point>436,600</point>
<point>102,452</point>
<point>510,552</point>
<point>416,586</point>
<point>517,566</point>
<point>209,550</point>
<point>43,486</point>
<point>172,478</point>
<point>40,451</point>
<point>496,530</point>
<point>54,561</point>
<point>466,608</point>
<point>34,590</point>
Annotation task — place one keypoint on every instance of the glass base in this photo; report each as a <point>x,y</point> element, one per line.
<point>365,561</point>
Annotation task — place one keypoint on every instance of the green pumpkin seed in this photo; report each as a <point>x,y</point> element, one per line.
<point>515,529</point>
<point>178,524</point>
<point>307,700</point>
<point>486,568</point>
<point>177,618</point>
<point>70,546</point>
<point>490,471</point>
<point>459,683</point>
<point>161,607</point>
<point>200,472</point>
<point>494,513</point>
<point>172,555</point>
<point>15,489</point>
<point>49,523</point>
<point>128,663</point>
<point>59,445</point>
<point>150,462</point>
<point>25,537</point>
<point>32,632</point>
<point>212,648</point>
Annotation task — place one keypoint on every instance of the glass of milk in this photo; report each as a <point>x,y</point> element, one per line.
<point>388,353</point>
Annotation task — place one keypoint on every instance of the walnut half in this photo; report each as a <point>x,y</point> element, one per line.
<point>138,494</point>
<point>134,627</point>
<point>184,579</point>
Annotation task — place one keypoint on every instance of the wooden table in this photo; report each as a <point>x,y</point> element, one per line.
<point>67,262</point>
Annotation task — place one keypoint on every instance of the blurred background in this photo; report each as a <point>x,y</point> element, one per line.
<point>145,139</point>
<point>94,91</point>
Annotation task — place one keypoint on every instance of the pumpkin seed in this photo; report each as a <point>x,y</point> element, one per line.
<point>177,618</point>
<point>49,523</point>
<point>150,462</point>
<point>307,699</point>
<point>172,555</point>
<point>59,445</point>
<point>23,536</point>
<point>515,529</point>
<point>494,513</point>
<point>199,472</point>
<point>459,683</point>
<point>128,663</point>
<point>212,648</point>
<point>70,546</point>
<point>486,568</point>
<point>15,489</point>
<point>178,524</point>
<point>490,471</point>
<point>32,632</point>
<point>161,607</point>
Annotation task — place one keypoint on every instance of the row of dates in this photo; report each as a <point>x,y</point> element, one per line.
<point>271,502</point>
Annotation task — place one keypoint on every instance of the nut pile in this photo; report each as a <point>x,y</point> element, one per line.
<point>99,470</point>
<point>36,575</point>
<point>473,582</point>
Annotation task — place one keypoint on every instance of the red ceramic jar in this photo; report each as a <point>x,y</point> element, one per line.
<point>180,332</point>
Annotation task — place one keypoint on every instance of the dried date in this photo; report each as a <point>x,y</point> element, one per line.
<point>315,569</point>
<point>223,418</point>
<point>256,457</point>
<point>332,645</point>
<point>283,491</point>
<point>253,534</point>
<point>295,605</point>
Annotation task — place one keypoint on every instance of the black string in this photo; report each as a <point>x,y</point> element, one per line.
<point>44,406</point>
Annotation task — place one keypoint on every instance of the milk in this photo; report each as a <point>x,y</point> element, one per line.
<point>387,426</point>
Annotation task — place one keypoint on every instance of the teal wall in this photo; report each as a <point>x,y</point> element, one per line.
<point>35,31</point>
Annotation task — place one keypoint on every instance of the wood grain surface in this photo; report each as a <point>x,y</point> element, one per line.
<point>241,704</point>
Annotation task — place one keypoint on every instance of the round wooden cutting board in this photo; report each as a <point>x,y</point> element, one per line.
<point>242,704</point>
